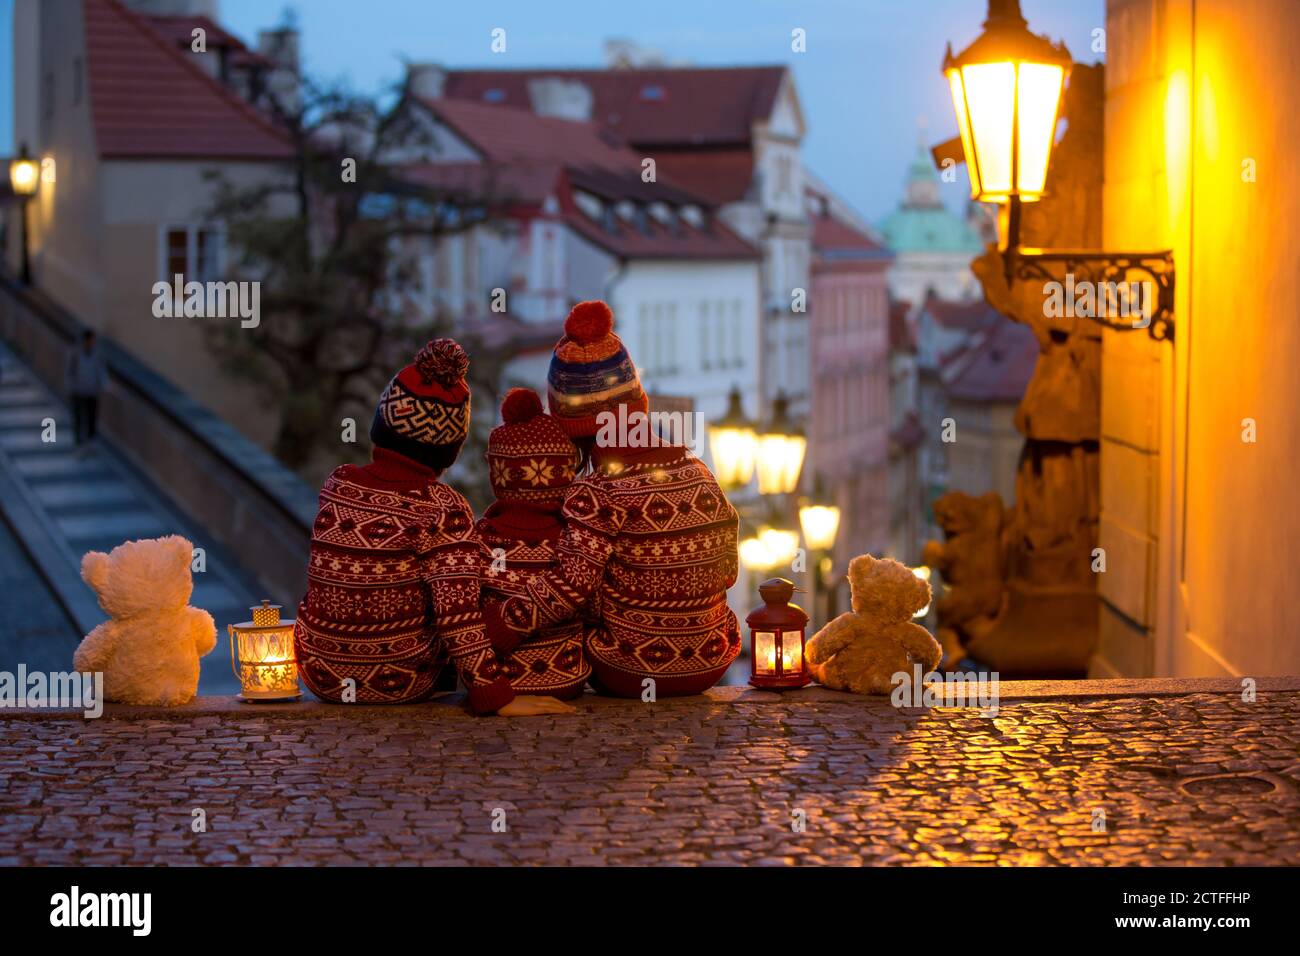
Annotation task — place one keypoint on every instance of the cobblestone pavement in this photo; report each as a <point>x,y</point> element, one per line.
<point>1201,778</point>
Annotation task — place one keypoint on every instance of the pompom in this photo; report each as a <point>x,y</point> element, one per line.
<point>520,405</point>
<point>589,322</point>
<point>442,361</point>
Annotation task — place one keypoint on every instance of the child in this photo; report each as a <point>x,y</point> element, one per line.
<point>531,463</point>
<point>393,576</point>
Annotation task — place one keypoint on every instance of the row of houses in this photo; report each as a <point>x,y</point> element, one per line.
<point>678,194</point>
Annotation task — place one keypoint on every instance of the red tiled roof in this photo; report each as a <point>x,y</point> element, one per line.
<point>147,100</point>
<point>717,175</point>
<point>831,235</point>
<point>502,134</point>
<point>179,30</point>
<point>902,337</point>
<point>996,366</point>
<point>525,183</point>
<point>967,316</point>
<point>648,107</point>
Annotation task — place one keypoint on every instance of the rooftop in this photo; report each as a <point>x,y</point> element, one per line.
<point>149,100</point>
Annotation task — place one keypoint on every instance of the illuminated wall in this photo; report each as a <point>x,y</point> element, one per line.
<point>1202,528</point>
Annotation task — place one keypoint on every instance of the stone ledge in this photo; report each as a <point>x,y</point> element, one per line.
<point>451,705</point>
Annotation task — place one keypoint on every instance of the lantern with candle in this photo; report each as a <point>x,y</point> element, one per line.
<point>777,638</point>
<point>262,656</point>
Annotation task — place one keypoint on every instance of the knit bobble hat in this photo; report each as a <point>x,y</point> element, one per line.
<point>424,412</point>
<point>591,372</point>
<point>530,458</point>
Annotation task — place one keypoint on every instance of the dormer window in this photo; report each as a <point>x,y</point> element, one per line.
<point>661,213</point>
<point>693,215</point>
<point>626,210</point>
<point>653,93</point>
<point>591,206</point>
<point>494,95</point>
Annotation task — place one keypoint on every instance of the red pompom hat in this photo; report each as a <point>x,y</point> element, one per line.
<point>530,459</point>
<point>424,412</point>
<point>591,372</point>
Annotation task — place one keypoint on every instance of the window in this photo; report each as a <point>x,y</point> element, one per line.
<point>494,95</point>
<point>194,252</point>
<point>653,93</point>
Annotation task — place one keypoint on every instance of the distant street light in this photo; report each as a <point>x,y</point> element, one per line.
<point>781,448</point>
<point>820,523</point>
<point>24,178</point>
<point>733,443</point>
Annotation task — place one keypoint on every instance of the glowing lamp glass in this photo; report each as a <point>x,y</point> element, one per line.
<point>733,445</point>
<point>780,459</point>
<point>820,524</point>
<point>1006,115</point>
<point>24,176</point>
<point>781,546</point>
<point>262,656</point>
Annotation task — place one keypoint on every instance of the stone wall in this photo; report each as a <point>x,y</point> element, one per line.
<point>248,501</point>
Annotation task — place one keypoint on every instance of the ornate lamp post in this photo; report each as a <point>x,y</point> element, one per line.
<point>733,443</point>
<point>820,523</point>
<point>24,178</point>
<point>781,447</point>
<point>1006,91</point>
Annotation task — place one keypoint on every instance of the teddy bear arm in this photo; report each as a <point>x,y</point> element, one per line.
<point>919,644</point>
<point>96,649</point>
<point>832,638</point>
<point>204,630</point>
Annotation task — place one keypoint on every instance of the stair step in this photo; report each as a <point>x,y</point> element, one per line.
<point>83,531</point>
<point>61,464</point>
<point>19,440</point>
<point>63,496</point>
<point>30,416</point>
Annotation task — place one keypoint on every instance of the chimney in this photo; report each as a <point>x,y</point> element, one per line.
<point>565,99</point>
<point>425,80</point>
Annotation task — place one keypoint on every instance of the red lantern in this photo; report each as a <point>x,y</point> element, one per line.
<point>776,638</point>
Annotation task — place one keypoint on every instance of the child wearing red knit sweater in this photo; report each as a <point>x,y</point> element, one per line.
<point>649,544</point>
<point>531,463</point>
<point>394,567</point>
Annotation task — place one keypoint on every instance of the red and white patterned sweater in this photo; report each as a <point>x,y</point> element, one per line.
<point>521,543</point>
<point>393,589</point>
<point>652,538</point>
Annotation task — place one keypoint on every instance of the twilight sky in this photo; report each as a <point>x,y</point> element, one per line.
<point>869,77</point>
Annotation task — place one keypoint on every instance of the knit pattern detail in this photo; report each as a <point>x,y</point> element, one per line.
<point>655,547</point>
<point>392,593</point>
<point>548,660</point>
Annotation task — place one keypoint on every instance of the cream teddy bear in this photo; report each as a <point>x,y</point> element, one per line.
<point>150,647</point>
<point>862,649</point>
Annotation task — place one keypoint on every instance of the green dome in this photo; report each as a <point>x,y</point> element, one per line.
<point>922,223</point>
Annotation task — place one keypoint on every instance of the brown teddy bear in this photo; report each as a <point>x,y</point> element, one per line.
<point>861,650</point>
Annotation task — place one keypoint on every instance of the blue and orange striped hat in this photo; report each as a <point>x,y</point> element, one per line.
<point>591,372</point>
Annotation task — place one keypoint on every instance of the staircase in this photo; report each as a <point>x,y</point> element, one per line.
<point>60,502</point>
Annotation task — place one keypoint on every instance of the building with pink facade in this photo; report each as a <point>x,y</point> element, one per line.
<point>848,433</point>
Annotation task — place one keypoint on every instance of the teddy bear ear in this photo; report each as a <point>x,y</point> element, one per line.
<point>94,569</point>
<point>180,548</point>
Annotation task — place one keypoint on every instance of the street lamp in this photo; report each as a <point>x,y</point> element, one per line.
<point>820,523</point>
<point>24,178</point>
<point>781,447</point>
<point>733,443</point>
<point>1006,92</point>
<point>1006,88</point>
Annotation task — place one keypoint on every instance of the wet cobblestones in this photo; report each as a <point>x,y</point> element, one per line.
<point>1203,778</point>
